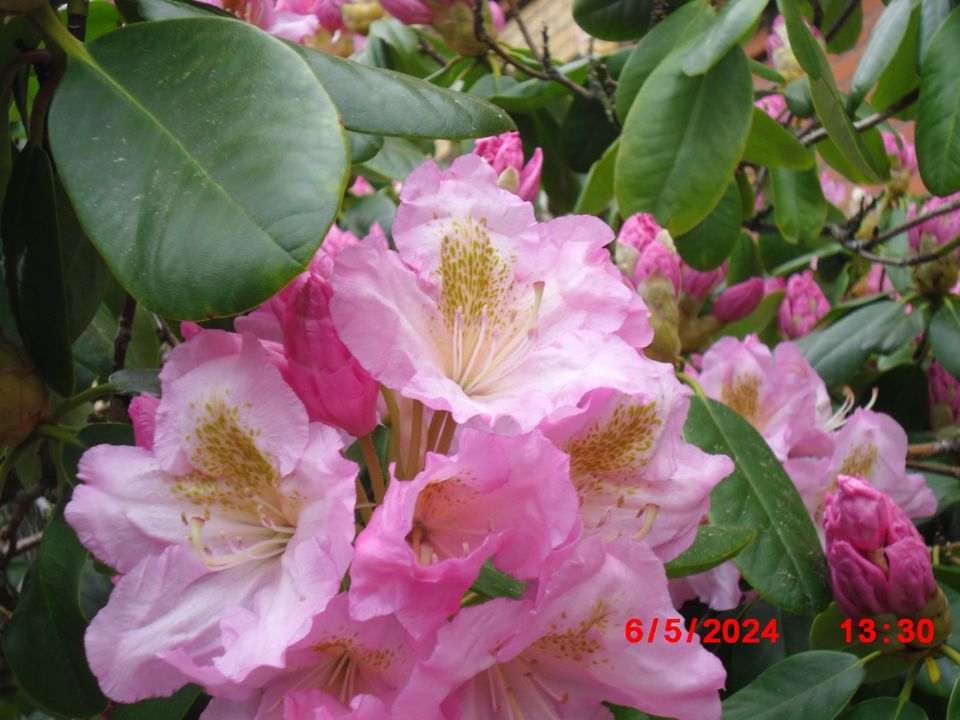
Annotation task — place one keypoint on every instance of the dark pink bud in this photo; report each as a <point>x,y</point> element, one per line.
<point>738,301</point>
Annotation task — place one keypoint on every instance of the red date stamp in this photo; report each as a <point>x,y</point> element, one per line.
<point>713,630</point>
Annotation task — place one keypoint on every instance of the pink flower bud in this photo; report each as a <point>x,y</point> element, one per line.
<point>944,396</point>
<point>780,53</point>
<point>835,191</point>
<point>329,381</point>
<point>699,284</point>
<point>638,231</point>
<point>143,415</point>
<point>409,12</point>
<point>901,149</point>
<point>738,301</point>
<point>361,187</point>
<point>23,401</point>
<point>878,561</point>
<point>504,152</point>
<point>803,305</point>
<point>772,105</point>
<point>657,259</point>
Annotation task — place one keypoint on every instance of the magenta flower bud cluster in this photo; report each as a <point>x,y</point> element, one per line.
<point>878,561</point>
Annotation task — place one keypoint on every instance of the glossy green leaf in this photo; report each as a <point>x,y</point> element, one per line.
<point>201,202</point>
<point>135,381</point>
<point>682,140</point>
<point>800,209</point>
<point>766,72</point>
<point>945,337</point>
<point>808,686</point>
<point>826,633</point>
<point>837,351</point>
<point>938,112</point>
<point>613,19</point>
<point>174,707</point>
<point>933,13</point>
<point>885,39</point>
<point>383,102</point>
<point>736,17</point>
<point>396,159</point>
<point>597,191</point>
<point>43,642</point>
<point>494,583</point>
<point>872,143</point>
<point>713,545</point>
<point>586,133</point>
<point>885,708</point>
<point>138,10</point>
<point>33,267</point>
<point>797,94</point>
<point>785,562</point>
<point>363,146</point>
<point>772,145</point>
<point>849,32</point>
<point>707,245</point>
<point>673,34</point>
<point>902,75</point>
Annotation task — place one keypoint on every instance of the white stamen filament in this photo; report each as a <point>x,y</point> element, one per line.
<point>649,514</point>
<point>271,546</point>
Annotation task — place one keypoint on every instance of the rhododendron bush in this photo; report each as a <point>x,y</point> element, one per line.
<point>356,362</point>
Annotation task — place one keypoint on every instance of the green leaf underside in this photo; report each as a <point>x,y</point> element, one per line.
<point>713,545</point>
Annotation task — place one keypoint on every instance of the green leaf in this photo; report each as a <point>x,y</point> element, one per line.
<point>174,707</point>
<point>849,33</point>
<point>493,583</point>
<point>34,268</point>
<point>808,686</point>
<point>933,13</point>
<point>837,351</point>
<point>902,75</point>
<point>44,640</point>
<point>953,709</point>
<point>136,381</point>
<point>586,133</point>
<point>885,39</point>
<point>396,159</point>
<point>945,337</point>
<point>766,72</point>
<point>672,35</point>
<point>383,102</point>
<point>363,146</point>
<point>938,112</point>
<point>770,144</point>
<point>613,19</point>
<point>714,544</point>
<point>797,94</point>
<point>370,210</point>
<point>805,47</point>
<point>827,634</point>
<point>872,143</point>
<point>682,140</point>
<point>710,243</point>
<point>735,19</point>
<point>800,209</point>
<point>785,563</point>
<point>202,203</point>
<point>597,191</point>
<point>885,708</point>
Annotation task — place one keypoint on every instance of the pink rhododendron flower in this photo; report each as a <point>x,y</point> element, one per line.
<point>902,151</point>
<point>773,105</point>
<point>644,250</point>
<point>779,393</point>
<point>835,191</point>
<point>738,301</point>
<point>780,53</point>
<point>944,396</point>
<point>719,587</point>
<point>500,497</point>
<point>505,154</point>
<point>361,186</point>
<point>277,19</point>
<point>941,229</point>
<point>484,312</point>
<point>803,305</point>
<point>877,281</point>
<point>560,652</point>
<point>327,12</point>
<point>873,447</point>
<point>143,412</point>
<point>633,472</point>
<point>342,668</point>
<point>232,531</point>
<point>879,563</point>
<point>329,381</point>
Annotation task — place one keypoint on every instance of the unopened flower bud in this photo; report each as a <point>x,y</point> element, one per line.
<point>878,561</point>
<point>22,397</point>
<point>803,305</point>
<point>738,301</point>
<point>505,154</point>
<point>944,397</point>
<point>780,52</point>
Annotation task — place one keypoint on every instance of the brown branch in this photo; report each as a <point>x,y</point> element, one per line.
<point>912,223</point>
<point>904,261</point>
<point>817,134</point>
<point>937,447</point>
<point>480,33</point>
<point>934,468</point>
<point>424,46</point>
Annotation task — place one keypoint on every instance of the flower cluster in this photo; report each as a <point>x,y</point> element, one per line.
<point>781,395</point>
<point>529,434</point>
